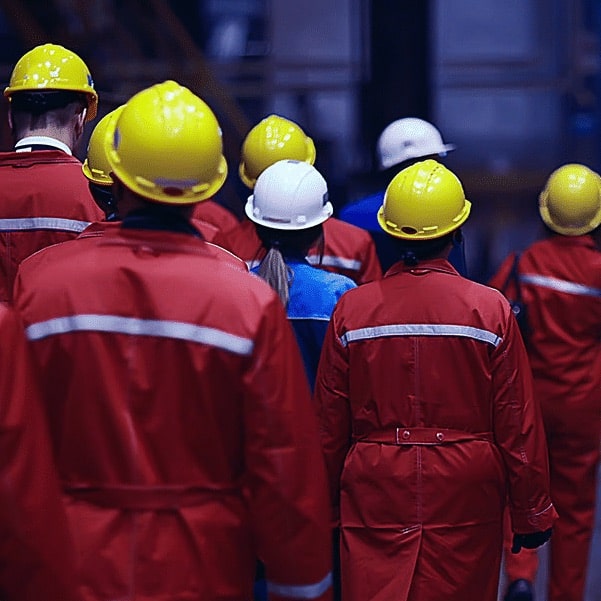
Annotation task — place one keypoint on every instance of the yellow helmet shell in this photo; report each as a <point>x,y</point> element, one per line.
<point>570,203</point>
<point>53,67</point>
<point>271,140</point>
<point>166,146</point>
<point>422,202</point>
<point>96,166</point>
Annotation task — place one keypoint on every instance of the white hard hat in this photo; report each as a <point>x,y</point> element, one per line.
<point>409,138</point>
<point>289,195</point>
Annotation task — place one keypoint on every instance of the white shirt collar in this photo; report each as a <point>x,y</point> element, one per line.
<point>24,144</point>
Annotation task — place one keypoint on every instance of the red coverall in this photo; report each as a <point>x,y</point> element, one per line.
<point>348,249</point>
<point>427,422</point>
<point>45,200</point>
<point>211,234</point>
<point>181,420</point>
<point>36,552</point>
<point>560,280</point>
<point>212,212</point>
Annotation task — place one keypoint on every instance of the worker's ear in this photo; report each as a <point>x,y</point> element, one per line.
<point>80,120</point>
<point>10,117</point>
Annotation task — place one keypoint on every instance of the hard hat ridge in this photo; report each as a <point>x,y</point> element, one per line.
<point>422,202</point>
<point>166,145</point>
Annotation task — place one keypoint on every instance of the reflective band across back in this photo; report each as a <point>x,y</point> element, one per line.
<point>42,223</point>
<point>559,285</point>
<point>331,261</point>
<point>141,327</point>
<point>416,329</point>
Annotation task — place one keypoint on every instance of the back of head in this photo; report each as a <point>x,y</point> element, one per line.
<point>570,203</point>
<point>166,146</point>
<point>49,77</point>
<point>288,206</point>
<point>424,204</point>
<point>409,138</point>
<point>273,139</point>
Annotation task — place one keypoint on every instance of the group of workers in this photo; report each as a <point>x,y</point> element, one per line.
<point>201,408</point>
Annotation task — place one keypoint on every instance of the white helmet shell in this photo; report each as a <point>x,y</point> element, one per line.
<point>409,138</point>
<point>289,195</point>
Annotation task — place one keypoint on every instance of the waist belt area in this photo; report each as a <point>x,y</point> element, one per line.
<point>150,498</point>
<point>422,436</point>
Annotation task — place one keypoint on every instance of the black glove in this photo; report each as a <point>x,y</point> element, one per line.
<point>532,540</point>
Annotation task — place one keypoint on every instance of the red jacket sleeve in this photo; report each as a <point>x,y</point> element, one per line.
<point>36,553</point>
<point>332,402</point>
<point>520,435</point>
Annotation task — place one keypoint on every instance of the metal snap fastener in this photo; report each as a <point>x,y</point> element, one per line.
<point>406,434</point>
<point>439,436</point>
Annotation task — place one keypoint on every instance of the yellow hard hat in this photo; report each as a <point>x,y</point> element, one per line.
<point>271,140</point>
<point>166,146</point>
<point>423,202</point>
<point>53,67</point>
<point>96,166</point>
<point>570,203</point>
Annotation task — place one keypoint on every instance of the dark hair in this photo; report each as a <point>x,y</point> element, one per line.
<point>103,197</point>
<point>289,242</point>
<point>38,109</point>
<point>413,251</point>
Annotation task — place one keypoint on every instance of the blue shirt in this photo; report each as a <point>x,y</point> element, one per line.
<point>313,294</point>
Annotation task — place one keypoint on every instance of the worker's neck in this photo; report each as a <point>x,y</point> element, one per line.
<point>65,137</point>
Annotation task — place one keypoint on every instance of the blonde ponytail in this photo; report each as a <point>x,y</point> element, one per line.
<point>276,273</point>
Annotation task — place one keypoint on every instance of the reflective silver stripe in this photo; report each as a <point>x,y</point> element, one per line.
<point>43,223</point>
<point>416,329</point>
<point>300,591</point>
<point>140,327</point>
<point>327,261</point>
<point>339,262</point>
<point>559,285</point>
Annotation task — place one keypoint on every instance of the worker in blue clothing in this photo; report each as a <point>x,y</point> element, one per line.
<point>288,206</point>
<point>401,143</point>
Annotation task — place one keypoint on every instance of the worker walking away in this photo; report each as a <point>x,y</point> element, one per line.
<point>345,249</point>
<point>558,282</point>
<point>427,415</point>
<point>187,448</point>
<point>36,550</point>
<point>289,207</point>
<point>45,197</point>
<point>401,143</point>
<point>97,169</point>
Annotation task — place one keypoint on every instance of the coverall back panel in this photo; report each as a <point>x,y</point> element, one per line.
<point>45,200</point>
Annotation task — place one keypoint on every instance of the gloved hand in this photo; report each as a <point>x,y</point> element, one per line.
<point>532,540</point>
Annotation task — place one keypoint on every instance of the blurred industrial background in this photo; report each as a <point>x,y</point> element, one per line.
<point>516,85</point>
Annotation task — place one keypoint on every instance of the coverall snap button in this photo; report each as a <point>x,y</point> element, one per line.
<point>439,436</point>
<point>406,434</point>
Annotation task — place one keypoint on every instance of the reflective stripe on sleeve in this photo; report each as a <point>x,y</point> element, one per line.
<point>559,285</point>
<point>331,261</point>
<point>141,327</point>
<point>417,329</point>
<point>43,223</point>
<point>301,591</point>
